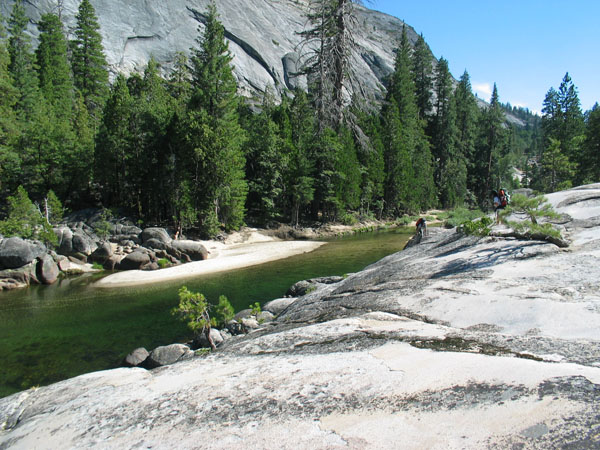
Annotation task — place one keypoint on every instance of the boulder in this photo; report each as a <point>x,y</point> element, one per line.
<point>111,263</point>
<point>265,316</point>
<point>278,305</point>
<point>195,250</point>
<point>200,341</point>
<point>250,323</point>
<point>155,244</point>
<point>65,240</point>
<point>300,288</point>
<point>82,243</point>
<point>157,233</point>
<point>16,252</point>
<point>136,357</point>
<point>168,354</point>
<point>20,277</point>
<point>102,253</point>
<point>47,270</point>
<point>131,230</point>
<point>134,261</point>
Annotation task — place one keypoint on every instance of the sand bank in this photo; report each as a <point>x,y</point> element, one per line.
<point>223,257</point>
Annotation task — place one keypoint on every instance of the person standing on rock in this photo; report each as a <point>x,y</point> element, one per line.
<point>421,227</point>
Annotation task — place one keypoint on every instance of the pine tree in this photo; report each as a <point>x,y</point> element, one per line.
<point>54,72</point>
<point>155,109</point>
<point>9,129</point>
<point>89,65</point>
<point>489,149</point>
<point>563,121</point>
<point>113,150</point>
<point>22,63</point>
<point>557,170</point>
<point>214,134</point>
<point>299,179</point>
<point>422,71</point>
<point>327,44</point>
<point>409,184</point>
<point>266,163</point>
<point>591,157</point>
<point>466,124</point>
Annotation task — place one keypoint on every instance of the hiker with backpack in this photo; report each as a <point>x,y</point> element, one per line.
<point>501,199</point>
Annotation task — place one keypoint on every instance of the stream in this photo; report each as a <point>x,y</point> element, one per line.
<point>50,333</point>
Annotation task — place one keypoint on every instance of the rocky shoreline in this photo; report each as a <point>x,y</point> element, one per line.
<point>457,342</point>
<point>126,247</point>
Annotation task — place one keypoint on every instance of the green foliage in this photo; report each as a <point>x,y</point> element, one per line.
<point>193,309</point>
<point>26,220</point>
<point>534,208</point>
<point>224,310</point>
<point>97,266</point>
<point>103,227</point>
<point>88,62</point>
<point>163,263</point>
<point>457,216</point>
<point>477,227</point>
<point>255,307</point>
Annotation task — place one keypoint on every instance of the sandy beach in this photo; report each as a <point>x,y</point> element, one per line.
<point>223,257</point>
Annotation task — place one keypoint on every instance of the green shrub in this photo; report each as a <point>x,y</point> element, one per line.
<point>97,266</point>
<point>477,227</point>
<point>163,262</point>
<point>255,309</point>
<point>458,216</point>
<point>224,310</point>
<point>533,208</point>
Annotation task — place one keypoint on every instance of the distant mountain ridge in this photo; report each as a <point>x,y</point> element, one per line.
<point>263,37</point>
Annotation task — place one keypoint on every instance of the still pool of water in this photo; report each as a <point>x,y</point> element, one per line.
<point>50,333</point>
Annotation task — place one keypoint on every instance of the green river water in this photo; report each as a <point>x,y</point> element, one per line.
<point>50,333</point>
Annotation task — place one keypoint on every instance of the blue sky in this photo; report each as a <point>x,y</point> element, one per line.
<point>524,46</point>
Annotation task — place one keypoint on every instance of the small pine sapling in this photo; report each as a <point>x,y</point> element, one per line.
<point>193,308</point>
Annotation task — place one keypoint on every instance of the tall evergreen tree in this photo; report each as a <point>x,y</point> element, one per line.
<point>299,179</point>
<point>423,74</point>
<point>112,152</point>
<point>88,61</point>
<point>466,124</point>
<point>213,132</point>
<point>489,149</point>
<point>591,157</point>
<point>54,72</point>
<point>266,163</point>
<point>450,165</point>
<point>22,62</point>
<point>409,184</point>
<point>563,122</point>
<point>9,129</point>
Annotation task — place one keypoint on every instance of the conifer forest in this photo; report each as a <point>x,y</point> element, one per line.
<point>184,149</point>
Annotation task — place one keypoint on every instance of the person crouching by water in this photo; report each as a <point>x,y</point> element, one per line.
<point>421,227</point>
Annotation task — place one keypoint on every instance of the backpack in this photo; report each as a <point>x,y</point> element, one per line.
<point>504,198</point>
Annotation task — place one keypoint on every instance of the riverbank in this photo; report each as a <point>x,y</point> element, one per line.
<point>457,342</point>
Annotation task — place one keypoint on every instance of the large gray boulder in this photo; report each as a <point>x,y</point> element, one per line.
<point>16,252</point>
<point>74,242</point>
<point>47,269</point>
<point>136,358</point>
<point>155,233</point>
<point>168,354</point>
<point>134,261</point>
<point>278,305</point>
<point>195,250</point>
<point>102,253</point>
